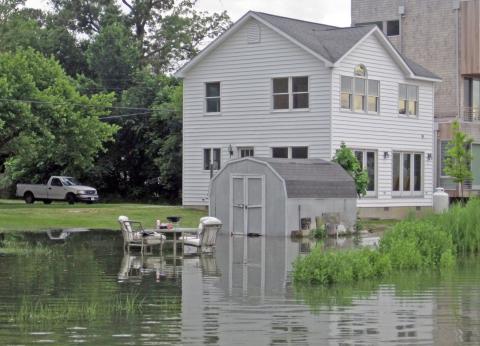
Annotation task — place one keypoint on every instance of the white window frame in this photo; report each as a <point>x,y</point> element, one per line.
<point>372,193</point>
<point>211,158</point>
<point>366,95</point>
<point>240,149</point>
<point>411,192</point>
<point>219,97</point>
<point>289,148</point>
<point>290,94</point>
<point>407,113</point>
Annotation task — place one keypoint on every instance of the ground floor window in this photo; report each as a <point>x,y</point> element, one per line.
<point>211,158</point>
<point>290,152</point>
<point>368,163</point>
<point>246,152</point>
<point>407,177</point>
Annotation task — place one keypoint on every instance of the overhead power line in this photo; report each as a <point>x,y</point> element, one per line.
<point>87,106</point>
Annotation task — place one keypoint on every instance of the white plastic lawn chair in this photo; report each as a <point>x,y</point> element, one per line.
<point>135,236</point>
<point>206,237</point>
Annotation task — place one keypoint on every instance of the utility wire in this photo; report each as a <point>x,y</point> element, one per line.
<point>87,106</point>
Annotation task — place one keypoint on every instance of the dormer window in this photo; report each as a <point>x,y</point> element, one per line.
<point>360,94</point>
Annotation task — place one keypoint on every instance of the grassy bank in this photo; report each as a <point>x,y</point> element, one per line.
<point>433,242</point>
<point>16,215</point>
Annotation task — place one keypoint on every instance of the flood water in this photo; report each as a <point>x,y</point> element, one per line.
<point>242,295</point>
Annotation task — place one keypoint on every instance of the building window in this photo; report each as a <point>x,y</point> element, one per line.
<point>211,158</point>
<point>246,152</point>
<point>290,152</point>
<point>212,97</point>
<point>407,177</point>
<point>300,92</point>
<point>393,28</point>
<point>368,163</point>
<point>347,93</point>
<point>443,155</point>
<point>408,99</point>
<point>471,99</point>
<point>360,94</point>
<point>299,152</point>
<point>290,93</point>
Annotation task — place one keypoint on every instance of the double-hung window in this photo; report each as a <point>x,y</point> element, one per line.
<point>211,158</point>
<point>360,94</point>
<point>368,163</point>
<point>408,100</point>
<point>212,97</point>
<point>290,93</point>
<point>290,152</point>
<point>407,177</point>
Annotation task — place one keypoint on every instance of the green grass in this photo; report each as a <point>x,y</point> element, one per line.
<point>433,242</point>
<point>15,215</point>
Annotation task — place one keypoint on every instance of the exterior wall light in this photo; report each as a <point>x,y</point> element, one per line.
<point>429,156</point>
<point>386,155</point>
<point>230,150</point>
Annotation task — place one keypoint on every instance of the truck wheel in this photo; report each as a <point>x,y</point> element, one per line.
<point>47,201</point>
<point>70,198</point>
<point>29,198</point>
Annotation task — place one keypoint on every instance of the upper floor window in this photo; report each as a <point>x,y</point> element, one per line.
<point>290,93</point>
<point>359,93</point>
<point>290,152</point>
<point>408,99</point>
<point>211,158</point>
<point>393,28</point>
<point>212,97</point>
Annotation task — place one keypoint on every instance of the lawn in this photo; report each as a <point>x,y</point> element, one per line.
<point>16,215</point>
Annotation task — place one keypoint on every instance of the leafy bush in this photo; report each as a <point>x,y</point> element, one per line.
<point>433,242</point>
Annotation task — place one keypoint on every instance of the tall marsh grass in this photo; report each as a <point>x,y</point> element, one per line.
<point>429,243</point>
<point>68,309</point>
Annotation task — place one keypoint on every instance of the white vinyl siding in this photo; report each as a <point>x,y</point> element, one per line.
<point>246,71</point>
<point>387,132</point>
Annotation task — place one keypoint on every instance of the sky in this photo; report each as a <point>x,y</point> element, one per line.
<point>332,12</point>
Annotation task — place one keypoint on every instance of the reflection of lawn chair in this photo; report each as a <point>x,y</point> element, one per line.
<point>206,237</point>
<point>135,236</point>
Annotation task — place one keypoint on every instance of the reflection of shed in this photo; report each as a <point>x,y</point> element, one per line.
<point>271,196</point>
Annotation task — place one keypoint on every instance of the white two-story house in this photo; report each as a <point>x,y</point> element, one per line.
<point>272,86</point>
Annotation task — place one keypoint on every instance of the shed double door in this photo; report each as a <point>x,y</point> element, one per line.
<point>247,204</point>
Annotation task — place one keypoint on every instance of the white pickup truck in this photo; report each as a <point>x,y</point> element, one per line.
<point>57,189</point>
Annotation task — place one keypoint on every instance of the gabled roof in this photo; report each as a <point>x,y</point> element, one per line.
<point>328,43</point>
<point>312,178</point>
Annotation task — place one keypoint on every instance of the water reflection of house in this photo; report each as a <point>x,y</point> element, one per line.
<point>252,300</point>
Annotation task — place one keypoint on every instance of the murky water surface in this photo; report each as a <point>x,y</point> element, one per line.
<point>84,289</point>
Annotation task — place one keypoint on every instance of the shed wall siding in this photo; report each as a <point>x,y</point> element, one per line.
<point>387,131</point>
<point>245,71</point>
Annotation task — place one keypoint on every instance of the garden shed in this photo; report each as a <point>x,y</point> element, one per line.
<point>275,196</point>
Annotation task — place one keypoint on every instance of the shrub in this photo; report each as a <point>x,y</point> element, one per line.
<point>433,242</point>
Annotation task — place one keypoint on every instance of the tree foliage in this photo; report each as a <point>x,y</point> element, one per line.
<point>346,158</point>
<point>60,132</point>
<point>459,157</point>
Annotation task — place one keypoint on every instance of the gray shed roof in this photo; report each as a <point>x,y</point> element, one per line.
<point>313,178</point>
<point>329,41</point>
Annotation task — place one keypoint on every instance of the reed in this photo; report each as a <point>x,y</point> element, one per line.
<point>434,242</point>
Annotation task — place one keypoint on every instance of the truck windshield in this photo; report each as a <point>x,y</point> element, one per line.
<point>70,181</point>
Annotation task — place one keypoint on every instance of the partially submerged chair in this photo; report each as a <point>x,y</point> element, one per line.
<point>135,236</point>
<point>206,236</point>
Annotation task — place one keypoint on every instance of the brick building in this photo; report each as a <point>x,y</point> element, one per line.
<point>441,35</point>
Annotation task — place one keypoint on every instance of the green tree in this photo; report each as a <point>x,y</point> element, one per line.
<point>458,158</point>
<point>113,57</point>
<point>346,158</point>
<point>57,131</point>
<point>167,32</point>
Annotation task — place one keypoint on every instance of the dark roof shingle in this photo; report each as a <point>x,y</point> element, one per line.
<point>313,178</point>
<point>329,41</point>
